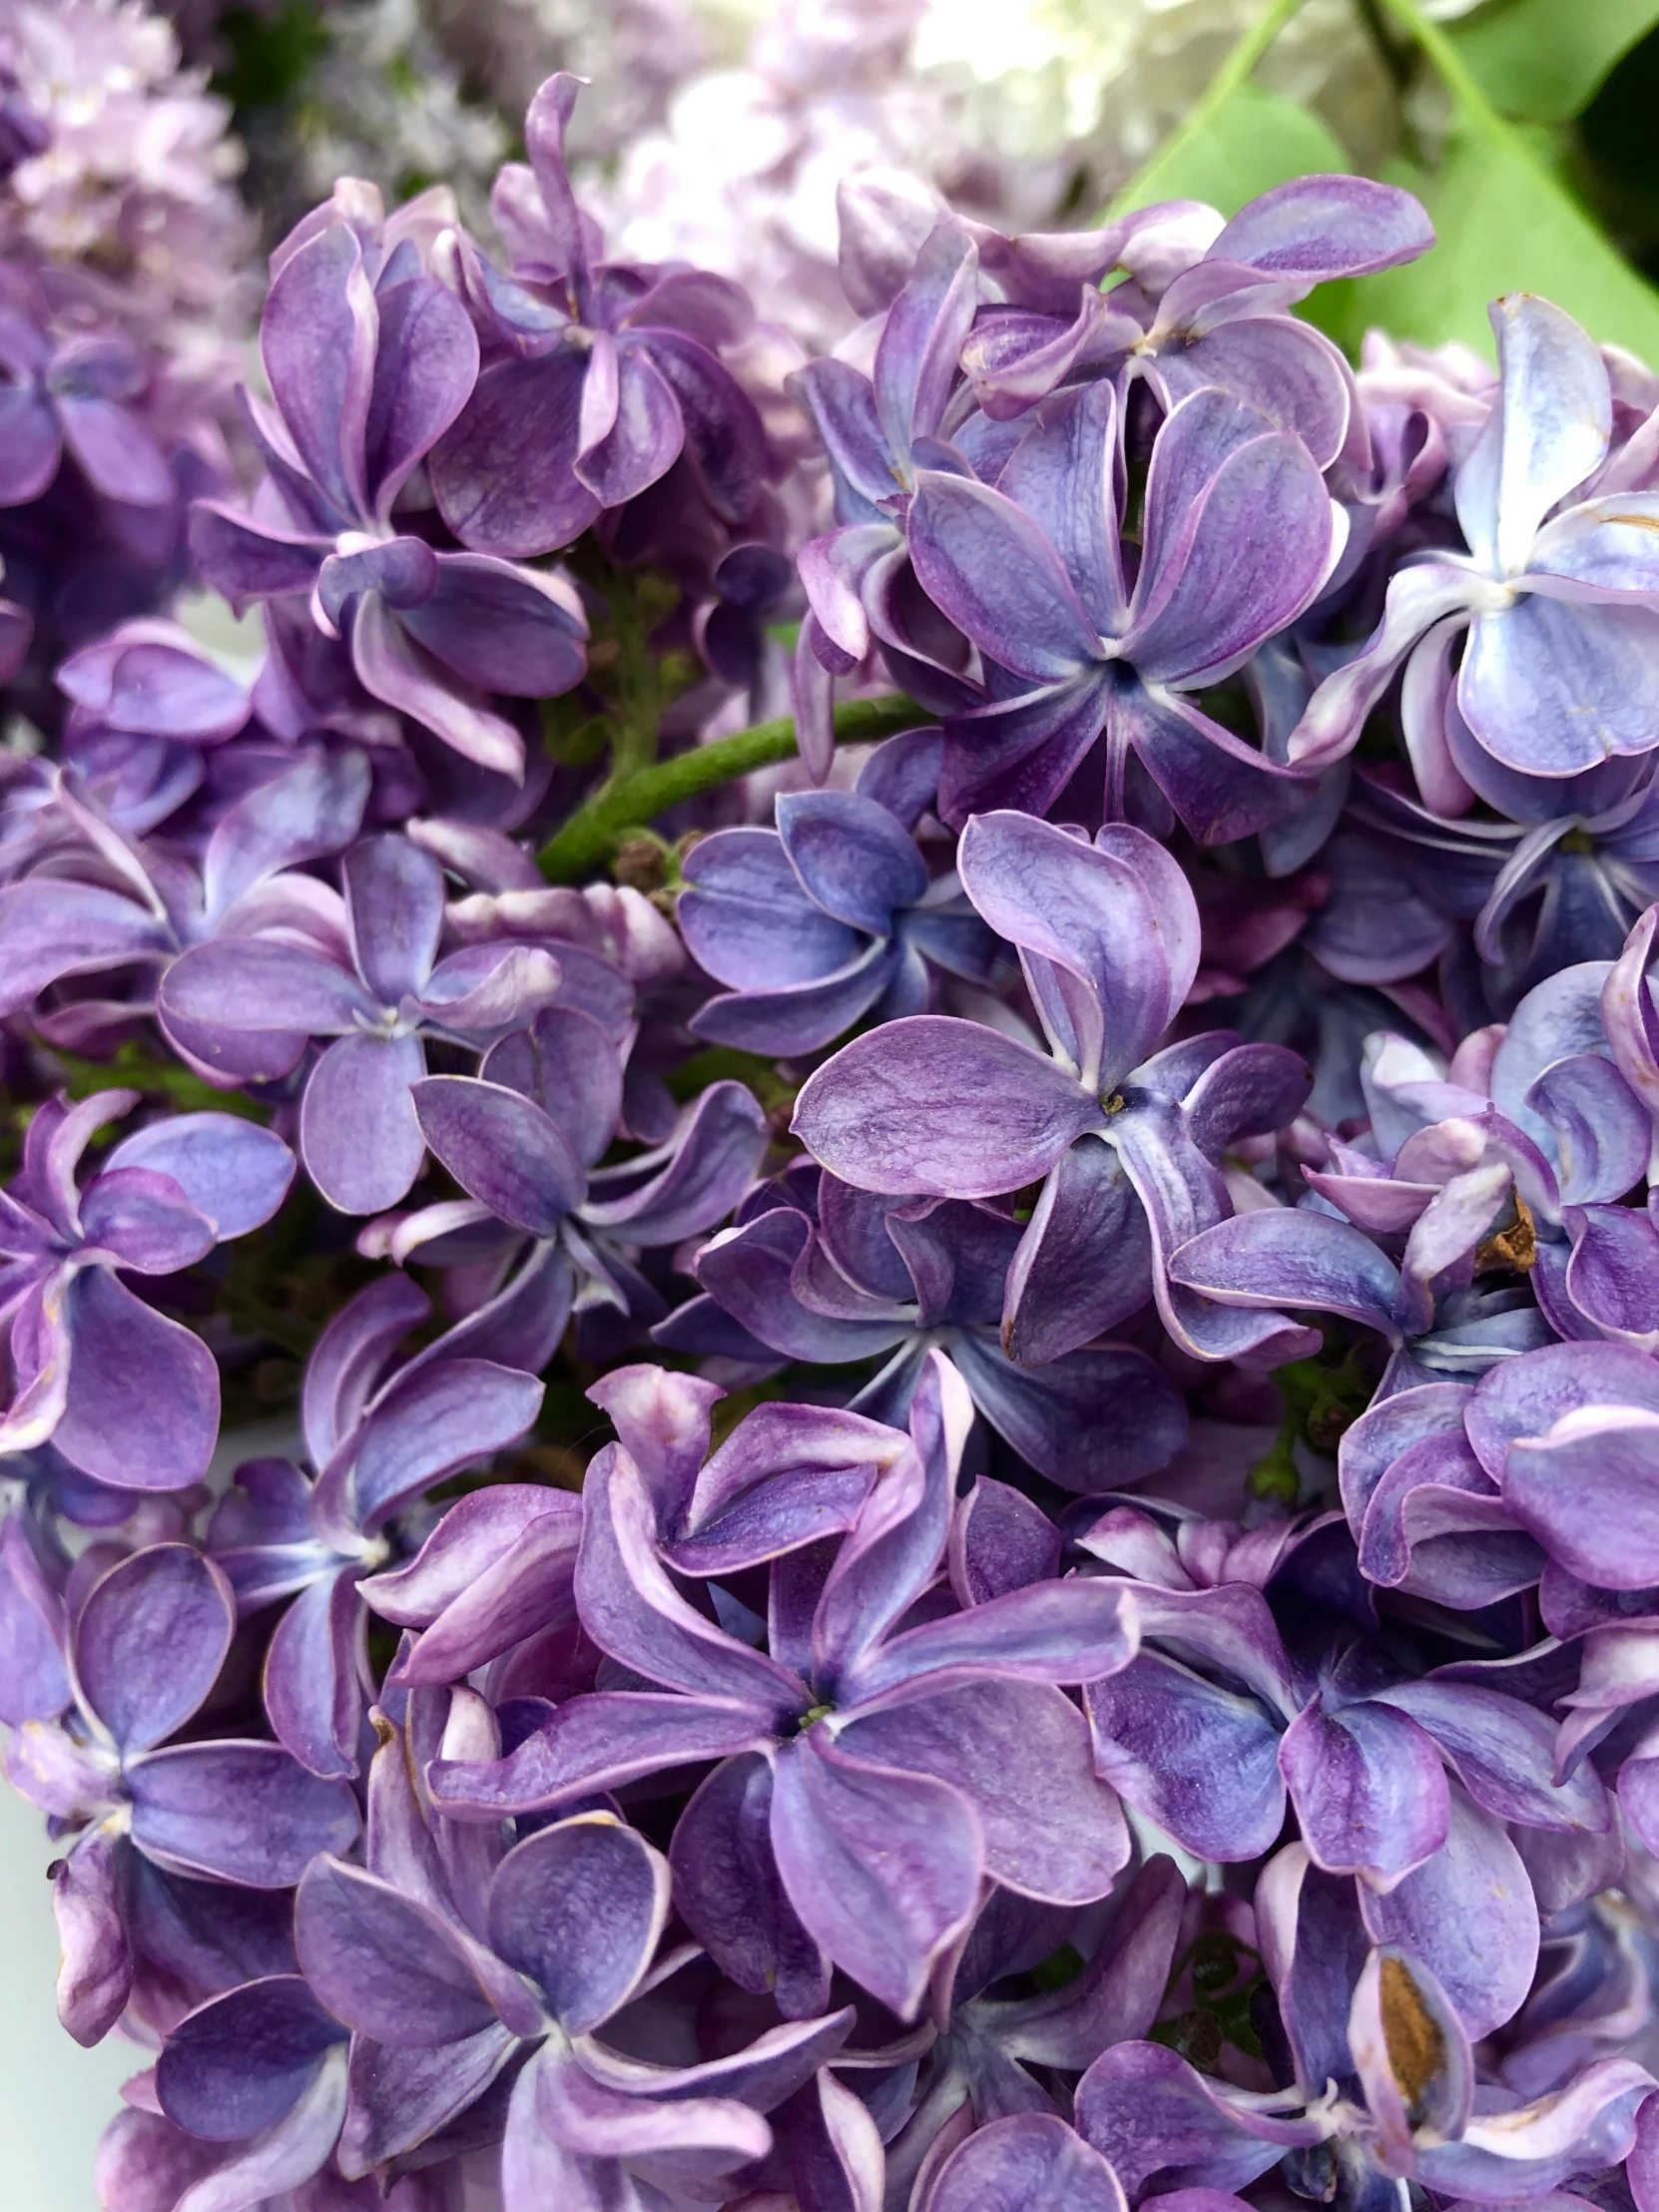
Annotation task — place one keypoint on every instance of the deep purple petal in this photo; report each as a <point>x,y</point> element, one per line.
<point>580,1909</point>
<point>882,1868</point>
<point>938,1105</point>
<point>237,1812</point>
<point>149,1640</point>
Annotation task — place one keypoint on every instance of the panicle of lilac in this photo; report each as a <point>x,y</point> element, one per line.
<point>1148,1687</point>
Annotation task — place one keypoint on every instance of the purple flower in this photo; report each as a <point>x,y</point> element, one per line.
<point>1558,882</point>
<point>125,1393</point>
<point>1238,537</point>
<point>1535,1166</point>
<point>92,901</point>
<point>829,1274</point>
<point>472,1968</point>
<point>601,373</point>
<point>260,2074</point>
<point>1556,593</point>
<point>75,394</point>
<point>1215,317</point>
<point>1385,2086</point>
<point>522,1140</point>
<point>380,1434</point>
<point>980,2067</point>
<point>828,920</point>
<point>370,360</point>
<point>1123,1144</point>
<point>870,1773</point>
<point>144,1654</point>
<point>1210,1739</point>
<point>246,1008</point>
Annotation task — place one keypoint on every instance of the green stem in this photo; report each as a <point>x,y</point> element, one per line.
<point>1461,80</point>
<point>1235,70</point>
<point>592,834</point>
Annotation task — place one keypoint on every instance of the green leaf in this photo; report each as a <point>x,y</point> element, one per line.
<point>1543,61</point>
<point>1254,139</point>
<point>1506,223</point>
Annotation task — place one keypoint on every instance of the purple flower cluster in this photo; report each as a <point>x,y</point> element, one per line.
<point>950,1502</point>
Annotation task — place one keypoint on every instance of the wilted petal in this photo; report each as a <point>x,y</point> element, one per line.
<point>95,1977</point>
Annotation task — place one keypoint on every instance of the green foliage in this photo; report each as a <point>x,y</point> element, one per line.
<point>1506,221</point>
<point>133,1066</point>
<point>1251,140</point>
<point>270,52</point>
<point>627,801</point>
<point>1543,61</point>
<point>1501,194</point>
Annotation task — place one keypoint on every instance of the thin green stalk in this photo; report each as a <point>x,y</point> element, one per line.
<point>1461,80</point>
<point>1235,70</point>
<point>593,832</point>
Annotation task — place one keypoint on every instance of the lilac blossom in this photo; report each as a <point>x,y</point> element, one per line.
<point>379,1435</point>
<point>143,1655</point>
<point>245,1008</point>
<point>1206,307</point>
<point>457,1967</point>
<point>845,1733</point>
<point>1555,593</point>
<point>833,1273</point>
<point>551,1227</point>
<point>1122,1139</point>
<point>370,360</point>
<point>1239,534</point>
<point>1357,1751</point>
<point>126,1393</point>
<point>1558,882</point>
<point>602,375</point>
<point>1386,2083</point>
<point>829,919</point>
<point>92,899</point>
